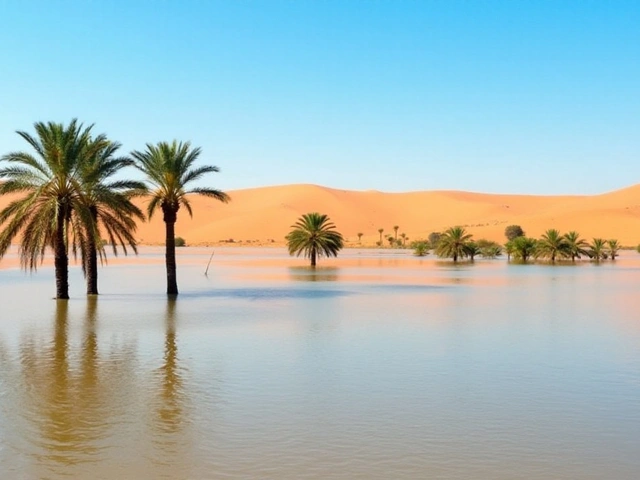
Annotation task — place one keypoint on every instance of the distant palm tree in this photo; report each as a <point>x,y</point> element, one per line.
<point>380,230</point>
<point>170,168</point>
<point>614,248</point>
<point>360,237</point>
<point>597,250</point>
<point>453,243</point>
<point>395,229</point>
<point>552,245</point>
<point>523,248</point>
<point>110,206</point>
<point>314,236</point>
<point>472,250</point>
<point>576,246</point>
<point>390,239</point>
<point>53,197</point>
<point>403,236</point>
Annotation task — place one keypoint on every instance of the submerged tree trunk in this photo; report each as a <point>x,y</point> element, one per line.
<point>91,268</point>
<point>91,264</point>
<point>170,251</point>
<point>61,259</point>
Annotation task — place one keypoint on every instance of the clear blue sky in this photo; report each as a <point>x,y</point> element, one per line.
<point>495,96</point>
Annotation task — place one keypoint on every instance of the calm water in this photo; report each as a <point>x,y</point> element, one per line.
<point>382,367</point>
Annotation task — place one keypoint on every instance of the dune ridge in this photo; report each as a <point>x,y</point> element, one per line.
<point>264,215</point>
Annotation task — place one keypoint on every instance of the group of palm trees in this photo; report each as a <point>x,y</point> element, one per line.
<point>456,243</point>
<point>67,196</point>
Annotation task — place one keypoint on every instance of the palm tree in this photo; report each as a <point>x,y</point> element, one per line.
<point>597,250</point>
<point>472,250</point>
<point>390,239</point>
<point>170,168</point>
<point>315,236</point>
<point>403,236</point>
<point>576,246</point>
<point>360,237</point>
<point>395,229</point>
<point>53,197</point>
<point>453,243</point>
<point>522,248</point>
<point>109,203</point>
<point>552,245</point>
<point>380,230</point>
<point>614,248</point>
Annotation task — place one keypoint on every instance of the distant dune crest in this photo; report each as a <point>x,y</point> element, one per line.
<point>264,215</point>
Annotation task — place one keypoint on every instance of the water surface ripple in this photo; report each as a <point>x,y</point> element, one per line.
<point>369,367</point>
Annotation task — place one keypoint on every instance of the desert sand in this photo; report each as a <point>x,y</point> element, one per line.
<point>263,216</point>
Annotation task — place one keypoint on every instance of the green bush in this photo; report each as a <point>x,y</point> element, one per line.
<point>513,231</point>
<point>420,248</point>
<point>180,242</point>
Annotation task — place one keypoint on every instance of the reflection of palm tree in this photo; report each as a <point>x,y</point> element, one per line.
<point>71,406</point>
<point>170,411</point>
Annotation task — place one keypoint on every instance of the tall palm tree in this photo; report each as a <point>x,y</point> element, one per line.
<point>315,236</point>
<point>576,246</point>
<point>597,249</point>
<point>453,243</point>
<point>360,237</point>
<point>403,236</point>
<point>552,245</point>
<point>110,205</point>
<point>395,229</point>
<point>53,197</point>
<point>614,248</point>
<point>380,230</point>
<point>522,248</point>
<point>170,170</point>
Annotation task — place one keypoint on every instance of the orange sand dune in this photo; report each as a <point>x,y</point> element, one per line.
<point>261,215</point>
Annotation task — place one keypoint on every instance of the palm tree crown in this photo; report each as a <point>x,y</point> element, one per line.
<point>522,247</point>
<point>576,246</point>
<point>170,169</point>
<point>453,243</point>
<point>314,236</point>
<point>614,248</point>
<point>552,245</point>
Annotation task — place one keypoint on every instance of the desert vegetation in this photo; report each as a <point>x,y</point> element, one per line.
<point>314,236</point>
<point>67,198</point>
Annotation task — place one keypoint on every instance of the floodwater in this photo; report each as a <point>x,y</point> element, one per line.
<point>375,366</point>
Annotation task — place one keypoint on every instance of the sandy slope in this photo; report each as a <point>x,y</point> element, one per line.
<point>262,214</point>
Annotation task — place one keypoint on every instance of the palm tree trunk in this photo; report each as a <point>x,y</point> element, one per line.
<point>313,257</point>
<point>61,259</point>
<point>91,264</point>
<point>170,256</point>
<point>91,268</point>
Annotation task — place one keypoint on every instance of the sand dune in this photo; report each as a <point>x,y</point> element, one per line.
<point>264,215</point>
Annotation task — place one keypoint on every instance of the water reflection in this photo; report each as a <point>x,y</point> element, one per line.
<point>308,274</point>
<point>68,399</point>
<point>170,432</point>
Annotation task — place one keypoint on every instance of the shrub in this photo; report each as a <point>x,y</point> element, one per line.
<point>434,239</point>
<point>420,248</point>
<point>513,231</point>
<point>180,242</point>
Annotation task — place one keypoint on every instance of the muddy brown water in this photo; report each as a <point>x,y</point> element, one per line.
<point>376,366</point>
